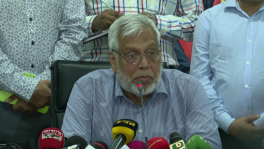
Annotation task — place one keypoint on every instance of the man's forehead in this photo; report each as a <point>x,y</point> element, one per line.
<point>138,33</point>
<point>150,43</point>
<point>145,39</point>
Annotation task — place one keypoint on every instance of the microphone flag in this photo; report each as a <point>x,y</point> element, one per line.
<point>51,138</point>
<point>178,145</point>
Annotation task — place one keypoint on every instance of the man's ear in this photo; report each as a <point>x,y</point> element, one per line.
<point>113,61</point>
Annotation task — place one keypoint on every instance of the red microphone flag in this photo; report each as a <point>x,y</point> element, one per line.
<point>51,138</point>
<point>158,143</point>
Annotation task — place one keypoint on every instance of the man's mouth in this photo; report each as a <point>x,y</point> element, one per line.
<point>144,79</point>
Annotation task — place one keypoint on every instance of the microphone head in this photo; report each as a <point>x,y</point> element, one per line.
<point>51,138</point>
<point>126,127</point>
<point>139,85</point>
<point>76,140</point>
<point>175,137</point>
<point>176,141</point>
<point>9,146</point>
<point>197,142</point>
<point>158,143</point>
<point>137,145</point>
<point>99,145</point>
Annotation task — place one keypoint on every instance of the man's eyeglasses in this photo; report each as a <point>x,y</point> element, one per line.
<point>134,58</point>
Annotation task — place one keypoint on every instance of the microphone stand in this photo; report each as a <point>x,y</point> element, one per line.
<point>143,115</point>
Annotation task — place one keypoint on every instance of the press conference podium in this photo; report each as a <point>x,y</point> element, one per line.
<point>63,76</point>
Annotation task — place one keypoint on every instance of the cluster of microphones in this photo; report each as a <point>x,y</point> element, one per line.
<point>123,132</point>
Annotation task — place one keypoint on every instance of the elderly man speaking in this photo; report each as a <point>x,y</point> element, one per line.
<point>173,101</point>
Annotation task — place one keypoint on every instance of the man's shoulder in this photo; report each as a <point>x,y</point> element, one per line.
<point>214,11</point>
<point>217,7</point>
<point>100,75</point>
<point>176,76</point>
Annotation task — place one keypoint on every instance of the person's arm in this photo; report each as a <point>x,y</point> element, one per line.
<point>101,22</point>
<point>78,116</point>
<point>72,32</point>
<point>199,116</point>
<point>200,68</point>
<point>23,87</point>
<point>89,22</point>
<point>12,79</point>
<point>181,24</point>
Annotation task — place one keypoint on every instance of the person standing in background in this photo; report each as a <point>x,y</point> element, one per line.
<point>33,34</point>
<point>175,19</point>
<point>228,60</point>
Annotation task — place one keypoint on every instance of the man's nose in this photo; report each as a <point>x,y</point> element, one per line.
<point>144,62</point>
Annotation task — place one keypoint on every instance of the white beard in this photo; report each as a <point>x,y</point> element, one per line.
<point>126,83</point>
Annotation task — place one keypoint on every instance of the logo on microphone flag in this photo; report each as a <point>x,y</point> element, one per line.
<point>52,134</point>
<point>178,145</point>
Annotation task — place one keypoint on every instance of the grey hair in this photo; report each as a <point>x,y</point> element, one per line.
<point>129,25</point>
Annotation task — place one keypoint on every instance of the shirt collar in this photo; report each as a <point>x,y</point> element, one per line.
<point>119,92</point>
<point>261,8</point>
<point>231,3</point>
<point>235,4</point>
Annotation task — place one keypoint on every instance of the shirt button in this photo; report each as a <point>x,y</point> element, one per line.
<point>250,20</point>
<point>32,43</point>
<point>140,130</point>
<point>246,110</point>
<point>249,41</point>
<point>247,62</point>
<point>246,86</point>
<point>32,66</point>
<point>30,19</point>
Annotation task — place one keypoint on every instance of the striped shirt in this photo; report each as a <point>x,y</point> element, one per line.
<point>175,19</point>
<point>179,104</point>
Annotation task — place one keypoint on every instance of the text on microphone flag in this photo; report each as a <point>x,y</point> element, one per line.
<point>126,122</point>
<point>52,134</point>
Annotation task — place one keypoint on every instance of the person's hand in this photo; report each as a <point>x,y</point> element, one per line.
<point>244,129</point>
<point>152,16</point>
<point>11,98</point>
<point>21,105</point>
<point>104,20</point>
<point>42,94</point>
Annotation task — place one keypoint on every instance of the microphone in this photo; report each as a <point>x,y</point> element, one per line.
<point>176,141</point>
<point>158,143</point>
<point>9,146</point>
<point>97,145</point>
<point>75,142</point>
<point>139,86</point>
<point>123,131</point>
<point>51,138</point>
<point>142,111</point>
<point>125,147</point>
<point>197,142</point>
<point>137,145</point>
